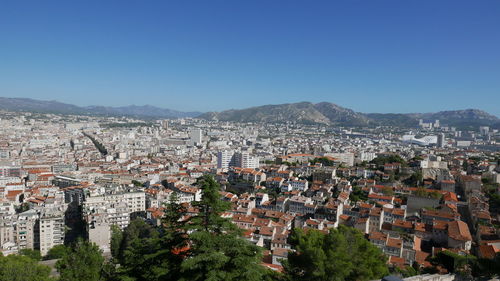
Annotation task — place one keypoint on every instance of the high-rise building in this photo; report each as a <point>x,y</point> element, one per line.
<point>164,124</point>
<point>484,130</point>
<point>196,136</point>
<point>226,159</point>
<point>245,160</point>
<point>441,140</point>
<point>26,225</point>
<point>51,229</point>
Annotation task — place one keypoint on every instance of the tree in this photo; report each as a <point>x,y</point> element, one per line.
<point>83,261</point>
<point>133,236</point>
<point>217,251</point>
<point>210,207</point>
<point>116,240</point>
<point>341,254</point>
<point>384,159</point>
<point>358,194</point>
<point>325,161</point>
<point>137,183</point>
<point>22,268</point>
<point>56,252</point>
<point>33,254</point>
<point>145,253</point>
<point>415,179</point>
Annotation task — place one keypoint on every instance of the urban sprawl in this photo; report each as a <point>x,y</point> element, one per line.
<point>412,192</point>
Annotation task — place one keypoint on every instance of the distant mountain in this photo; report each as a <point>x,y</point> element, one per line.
<point>462,117</point>
<point>146,111</point>
<point>141,111</point>
<point>332,114</point>
<point>303,112</point>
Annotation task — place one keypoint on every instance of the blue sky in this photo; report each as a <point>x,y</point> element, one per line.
<point>371,56</point>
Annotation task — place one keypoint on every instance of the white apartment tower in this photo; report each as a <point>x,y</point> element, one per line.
<point>51,229</point>
<point>226,159</point>
<point>195,136</point>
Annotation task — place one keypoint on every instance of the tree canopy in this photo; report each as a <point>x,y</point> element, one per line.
<point>204,246</point>
<point>22,268</point>
<point>82,261</point>
<point>384,159</point>
<point>340,254</point>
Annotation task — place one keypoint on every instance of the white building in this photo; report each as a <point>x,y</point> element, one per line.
<point>226,159</point>
<point>51,229</point>
<point>195,136</point>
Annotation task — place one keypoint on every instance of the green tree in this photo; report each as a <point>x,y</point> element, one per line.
<point>134,237</point>
<point>384,159</point>
<point>116,240</point>
<point>33,254</point>
<point>217,251</point>
<point>358,194</point>
<point>341,254</point>
<point>56,252</point>
<point>22,268</point>
<point>83,261</point>
<point>325,161</point>
<point>210,206</point>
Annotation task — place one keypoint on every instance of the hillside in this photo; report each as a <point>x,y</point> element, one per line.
<point>146,111</point>
<point>332,114</point>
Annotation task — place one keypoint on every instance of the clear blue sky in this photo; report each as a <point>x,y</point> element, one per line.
<point>371,56</point>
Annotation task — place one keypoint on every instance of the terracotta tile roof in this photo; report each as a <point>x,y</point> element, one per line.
<point>458,230</point>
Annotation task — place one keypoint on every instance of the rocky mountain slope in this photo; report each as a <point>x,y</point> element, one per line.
<point>146,111</point>
<point>332,114</point>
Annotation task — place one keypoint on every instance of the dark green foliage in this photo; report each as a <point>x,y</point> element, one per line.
<point>205,247</point>
<point>83,261</point>
<point>323,160</point>
<point>137,183</point>
<point>381,160</point>
<point>467,265</point>
<point>407,271</point>
<point>415,179</point>
<point>490,190</point>
<point>217,252</point>
<point>342,254</point>
<point>22,268</point>
<point>135,235</point>
<point>488,267</point>
<point>116,240</point>
<point>22,208</point>
<point>97,144</point>
<point>33,254</point>
<point>210,206</point>
<point>221,257</point>
<point>56,252</point>
<point>358,194</point>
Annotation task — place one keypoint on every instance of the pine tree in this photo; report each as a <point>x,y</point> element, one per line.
<point>341,254</point>
<point>217,251</point>
<point>83,261</point>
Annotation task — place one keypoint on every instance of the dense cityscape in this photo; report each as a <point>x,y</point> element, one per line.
<point>283,140</point>
<point>422,196</point>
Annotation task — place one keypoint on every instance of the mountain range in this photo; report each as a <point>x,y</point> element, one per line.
<point>332,114</point>
<point>145,111</point>
<point>303,112</point>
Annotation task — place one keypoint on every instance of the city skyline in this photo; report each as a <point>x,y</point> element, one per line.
<point>371,57</point>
